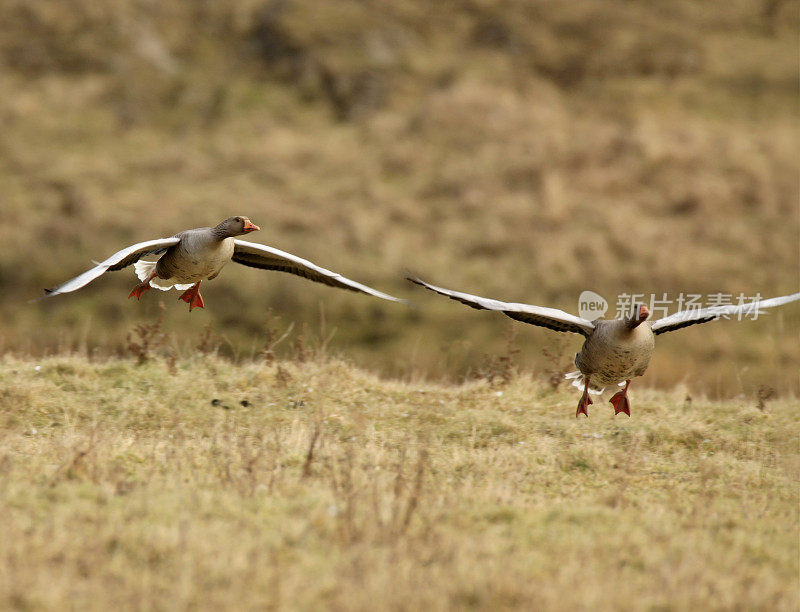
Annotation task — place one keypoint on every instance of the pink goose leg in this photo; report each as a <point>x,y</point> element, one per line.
<point>620,401</point>
<point>192,296</point>
<point>139,289</point>
<point>585,401</point>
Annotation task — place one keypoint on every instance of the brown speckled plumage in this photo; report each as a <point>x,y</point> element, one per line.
<point>615,352</point>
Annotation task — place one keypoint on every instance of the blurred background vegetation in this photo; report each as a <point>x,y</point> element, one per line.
<point>519,149</point>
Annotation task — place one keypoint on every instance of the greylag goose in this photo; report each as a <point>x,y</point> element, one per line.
<point>194,255</point>
<point>616,350</point>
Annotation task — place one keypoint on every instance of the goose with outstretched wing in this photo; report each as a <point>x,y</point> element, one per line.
<point>192,256</point>
<point>616,350</point>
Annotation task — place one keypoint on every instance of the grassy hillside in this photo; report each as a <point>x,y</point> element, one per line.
<point>517,149</point>
<point>198,483</point>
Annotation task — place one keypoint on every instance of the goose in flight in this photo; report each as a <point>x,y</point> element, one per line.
<point>616,350</point>
<point>192,256</point>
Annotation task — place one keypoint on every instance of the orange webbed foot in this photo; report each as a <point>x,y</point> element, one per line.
<point>192,297</point>
<point>620,401</point>
<point>585,402</point>
<point>138,290</point>
<point>621,404</point>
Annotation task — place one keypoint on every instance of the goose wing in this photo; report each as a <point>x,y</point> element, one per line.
<point>118,261</point>
<point>684,318</point>
<point>550,318</point>
<point>268,258</point>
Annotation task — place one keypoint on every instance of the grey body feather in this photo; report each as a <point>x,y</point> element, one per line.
<point>615,352</point>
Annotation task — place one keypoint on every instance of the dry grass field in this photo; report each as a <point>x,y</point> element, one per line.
<point>197,483</point>
<point>517,149</point>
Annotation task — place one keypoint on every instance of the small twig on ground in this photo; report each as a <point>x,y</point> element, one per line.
<point>310,453</point>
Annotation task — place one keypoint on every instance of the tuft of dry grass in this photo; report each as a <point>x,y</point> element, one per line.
<point>313,484</point>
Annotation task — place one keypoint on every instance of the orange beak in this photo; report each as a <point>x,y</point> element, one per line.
<point>644,312</point>
<point>249,226</point>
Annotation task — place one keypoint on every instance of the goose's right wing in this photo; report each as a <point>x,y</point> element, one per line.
<point>684,318</point>
<point>120,259</point>
<point>256,255</point>
<point>550,318</point>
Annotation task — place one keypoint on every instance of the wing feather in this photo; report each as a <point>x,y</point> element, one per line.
<point>118,261</point>
<point>264,257</point>
<point>551,318</point>
<point>684,318</point>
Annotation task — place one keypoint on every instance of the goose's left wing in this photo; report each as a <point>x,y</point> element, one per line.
<point>684,318</point>
<point>118,261</point>
<point>268,258</point>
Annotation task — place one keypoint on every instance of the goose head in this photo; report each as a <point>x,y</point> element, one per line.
<point>639,315</point>
<point>236,226</point>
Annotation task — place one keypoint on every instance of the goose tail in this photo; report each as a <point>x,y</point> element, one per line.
<point>144,269</point>
<point>578,381</point>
